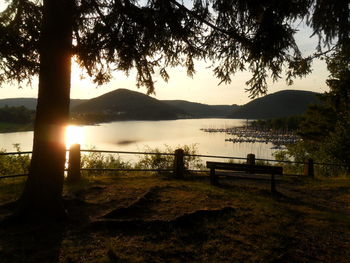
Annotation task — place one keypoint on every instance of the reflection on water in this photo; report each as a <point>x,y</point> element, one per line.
<point>125,142</point>
<point>136,135</point>
<point>74,135</point>
<point>24,139</point>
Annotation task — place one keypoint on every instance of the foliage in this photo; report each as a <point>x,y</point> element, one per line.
<point>98,160</point>
<point>89,118</point>
<point>339,144</point>
<point>161,161</point>
<point>303,150</point>
<point>291,123</point>
<point>19,115</point>
<point>14,127</point>
<point>14,164</point>
<point>326,127</point>
<point>262,162</point>
<point>151,36</point>
<point>154,159</point>
<point>294,153</point>
<point>19,163</point>
<point>40,37</point>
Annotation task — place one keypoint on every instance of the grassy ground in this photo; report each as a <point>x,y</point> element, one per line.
<point>152,218</point>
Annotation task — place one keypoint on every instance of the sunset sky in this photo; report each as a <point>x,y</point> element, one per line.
<point>202,88</point>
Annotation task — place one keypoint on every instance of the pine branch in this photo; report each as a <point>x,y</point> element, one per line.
<point>231,33</point>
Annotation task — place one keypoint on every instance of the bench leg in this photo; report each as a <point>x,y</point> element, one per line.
<point>213,177</point>
<point>273,184</point>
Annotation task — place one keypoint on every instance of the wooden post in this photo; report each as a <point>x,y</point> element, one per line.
<point>74,163</point>
<point>309,168</point>
<point>213,177</point>
<point>251,160</point>
<point>273,184</point>
<point>179,164</point>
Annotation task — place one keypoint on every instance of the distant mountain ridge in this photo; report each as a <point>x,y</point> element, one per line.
<point>127,104</point>
<point>199,110</point>
<point>123,104</point>
<point>276,105</point>
<point>135,105</point>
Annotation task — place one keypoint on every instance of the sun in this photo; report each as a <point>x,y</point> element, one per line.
<point>74,135</point>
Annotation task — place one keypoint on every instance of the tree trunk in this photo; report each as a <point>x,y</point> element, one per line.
<point>42,195</point>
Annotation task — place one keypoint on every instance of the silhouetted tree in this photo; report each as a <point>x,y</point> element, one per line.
<point>326,129</point>
<point>39,37</point>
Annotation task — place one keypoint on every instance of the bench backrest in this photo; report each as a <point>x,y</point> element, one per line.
<point>266,169</point>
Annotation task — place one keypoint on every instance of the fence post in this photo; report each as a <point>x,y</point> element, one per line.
<point>214,178</point>
<point>273,184</point>
<point>251,160</point>
<point>74,163</point>
<point>179,165</point>
<point>309,168</point>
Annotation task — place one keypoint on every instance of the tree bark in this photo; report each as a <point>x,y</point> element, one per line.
<point>42,195</point>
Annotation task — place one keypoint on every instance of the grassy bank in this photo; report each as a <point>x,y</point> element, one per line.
<point>141,217</point>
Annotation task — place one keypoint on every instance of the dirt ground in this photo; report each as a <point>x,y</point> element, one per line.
<point>154,218</point>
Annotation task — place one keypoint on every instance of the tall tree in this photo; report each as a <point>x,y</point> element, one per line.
<point>43,189</point>
<point>326,129</point>
<point>40,38</point>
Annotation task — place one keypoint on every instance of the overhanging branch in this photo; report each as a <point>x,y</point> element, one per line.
<point>231,33</point>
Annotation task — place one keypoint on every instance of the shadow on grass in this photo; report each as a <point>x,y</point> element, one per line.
<point>37,240</point>
<point>30,242</point>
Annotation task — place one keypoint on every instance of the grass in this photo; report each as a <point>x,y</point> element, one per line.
<point>150,218</point>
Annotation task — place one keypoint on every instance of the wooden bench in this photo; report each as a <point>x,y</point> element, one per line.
<point>249,168</point>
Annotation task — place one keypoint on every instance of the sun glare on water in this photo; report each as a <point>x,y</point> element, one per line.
<point>74,135</point>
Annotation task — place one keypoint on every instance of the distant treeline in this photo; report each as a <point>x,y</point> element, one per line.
<point>18,115</point>
<point>89,118</point>
<point>289,123</point>
<point>99,117</point>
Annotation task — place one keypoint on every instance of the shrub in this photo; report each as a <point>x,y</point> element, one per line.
<point>99,160</point>
<point>14,164</point>
<point>161,161</point>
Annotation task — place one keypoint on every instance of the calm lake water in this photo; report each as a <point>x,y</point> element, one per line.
<point>138,135</point>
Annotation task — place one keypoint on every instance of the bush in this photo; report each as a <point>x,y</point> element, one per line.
<point>19,164</point>
<point>99,160</point>
<point>297,152</point>
<point>161,161</point>
<point>14,164</point>
<point>288,168</point>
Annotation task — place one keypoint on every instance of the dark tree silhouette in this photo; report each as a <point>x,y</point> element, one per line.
<point>326,128</point>
<point>39,37</point>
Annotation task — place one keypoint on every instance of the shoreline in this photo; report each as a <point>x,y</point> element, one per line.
<point>13,127</point>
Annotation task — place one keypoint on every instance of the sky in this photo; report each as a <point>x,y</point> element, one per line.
<point>202,88</point>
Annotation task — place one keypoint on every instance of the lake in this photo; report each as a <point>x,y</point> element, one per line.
<point>138,135</point>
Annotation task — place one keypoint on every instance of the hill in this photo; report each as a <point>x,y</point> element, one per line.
<point>131,105</point>
<point>199,110</point>
<point>127,104</point>
<point>30,103</point>
<point>277,105</point>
